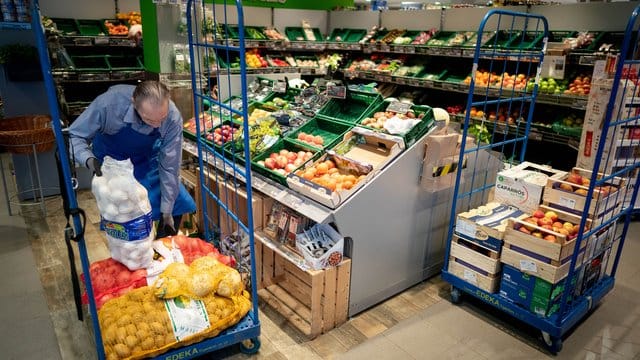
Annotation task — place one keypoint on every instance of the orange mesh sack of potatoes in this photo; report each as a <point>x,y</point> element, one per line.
<point>142,324</point>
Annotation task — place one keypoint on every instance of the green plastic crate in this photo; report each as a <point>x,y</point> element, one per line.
<point>597,40</point>
<point>91,27</point>
<point>560,35</point>
<point>416,131</point>
<point>528,40</point>
<point>471,43</point>
<point>298,34</point>
<point>501,39</point>
<point>283,144</point>
<point>289,97</point>
<point>90,63</point>
<point>210,142</point>
<point>330,131</point>
<point>68,27</point>
<point>124,63</point>
<point>342,33</point>
<point>352,109</point>
<point>254,33</point>
<point>440,39</point>
<point>572,131</point>
<point>355,35</point>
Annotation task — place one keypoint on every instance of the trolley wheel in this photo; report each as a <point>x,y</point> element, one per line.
<point>250,346</point>
<point>456,295</point>
<point>553,343</point>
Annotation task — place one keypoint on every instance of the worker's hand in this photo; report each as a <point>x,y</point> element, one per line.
<point>94,165</point>
<point>167,221</point>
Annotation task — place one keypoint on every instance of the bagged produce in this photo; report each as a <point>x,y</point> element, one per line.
<point>203,277</point>
<point>126,213</point>
<point>140,325</point>
<point>111,279</point>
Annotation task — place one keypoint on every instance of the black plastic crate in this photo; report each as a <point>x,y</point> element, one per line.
<point>91,27</point>
<point>90,63</point>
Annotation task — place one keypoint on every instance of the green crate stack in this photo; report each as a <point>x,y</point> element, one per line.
<point>330,131</point>
<point>352,109</point>
<point>298,34</point>
<point>283,144</point>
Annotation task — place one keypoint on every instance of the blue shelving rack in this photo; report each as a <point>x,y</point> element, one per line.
<point>246,333</point>
<point>578,298</point>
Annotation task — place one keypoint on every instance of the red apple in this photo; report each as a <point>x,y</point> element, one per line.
<point>539,214</point>
<point>524,230</point>
<point>545,221</point>
<point>550,238</point>
<point>281,161</point>
<point>574,178</point>
<point>551,215</point>
<point>270,163</point>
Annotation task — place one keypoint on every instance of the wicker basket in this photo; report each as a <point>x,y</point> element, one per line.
<point>19,134</point>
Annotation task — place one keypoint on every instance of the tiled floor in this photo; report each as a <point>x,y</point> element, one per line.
<point>419,323</point>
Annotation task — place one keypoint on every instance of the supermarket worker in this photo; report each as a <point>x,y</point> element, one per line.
<point>140,123</point>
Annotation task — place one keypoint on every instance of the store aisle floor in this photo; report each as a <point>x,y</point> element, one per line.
<point>419,323</point>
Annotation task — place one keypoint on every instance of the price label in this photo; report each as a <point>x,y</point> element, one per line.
<point>101,40</point>
<point>470,276</point>
<point>466,228</point>
<point>410,49</point>
<point>337,91</point>
<point>528,265</point>
<point>567,202</point>
<point>399,107</point>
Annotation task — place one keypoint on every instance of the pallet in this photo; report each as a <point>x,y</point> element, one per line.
<point>479,257</point>
<point>313,301</point>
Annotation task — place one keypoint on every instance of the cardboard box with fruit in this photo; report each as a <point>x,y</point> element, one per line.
<point>486,225</point>
<point>570,194</point>
<point>549,234</point>
<point>522,185</point>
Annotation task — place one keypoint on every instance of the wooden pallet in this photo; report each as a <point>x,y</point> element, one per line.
<point>314,301</point>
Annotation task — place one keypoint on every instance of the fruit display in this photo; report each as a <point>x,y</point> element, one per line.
<point>378,119</point>
<point>132,17</point>
<point>423,37</point>
<point>583,40</point>
<point>316,140</point>
<point>549,86</point>
<point>306,62</point>
<point>505,80</point>
<point>285,161</point>
<point>581,85</point>
<point>390,36</point>
<point>276,61</point>
<point>273,34</point>
<point>207,121</point>
<point>116,29</point>
<point>258,114</point>
<point>255,60</point>
<point>326,174</point>
<point>222,134</point>
<point>278,103</point>
<point>402,40</point>
<point>253,33</point>
<point>262,135</point>
<point>578,184</point>
<point>546,226</point>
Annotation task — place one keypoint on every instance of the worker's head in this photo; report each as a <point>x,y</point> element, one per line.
<point>151,101</point>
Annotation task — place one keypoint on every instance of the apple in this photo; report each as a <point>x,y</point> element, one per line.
<point>284,152</point>
<point>563,231</point>
<point>550,238</point>
<point>270,163</point>
<point>582,192</point>
<point>292,156</point>
<point>576,229</point>
<point>551,215</point>
<point>282,161</point>
<point>572,236</point>
<point>273,156</point>
<point>545,221</point>
<point>524,230</point>
<point>557,224</point>
<point>548,227</point>
<point>567,226</point>
<point>566,187</point>
<point>574,178</point>
<point>290,167</point>
<point>539,214</point>
<point>537,234</point>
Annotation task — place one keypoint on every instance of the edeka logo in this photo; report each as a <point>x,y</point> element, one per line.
<point>483,296</point>
<point>116,231</point>
<point>186,354</point>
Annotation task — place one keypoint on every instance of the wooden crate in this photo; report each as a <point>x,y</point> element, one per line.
<point>603,206</point>
<point>487,283</point>
<point>553,251</point>
<point>552,271</point>
<point>314,301</point>
<point>479,257</point>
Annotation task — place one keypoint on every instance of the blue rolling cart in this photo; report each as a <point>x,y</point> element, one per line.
<point>246,333</point>
<point>472,187</point>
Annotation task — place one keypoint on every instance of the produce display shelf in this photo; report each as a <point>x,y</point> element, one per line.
<point>278,192</point>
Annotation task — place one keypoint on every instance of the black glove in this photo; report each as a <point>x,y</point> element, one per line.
<point>94,165</point>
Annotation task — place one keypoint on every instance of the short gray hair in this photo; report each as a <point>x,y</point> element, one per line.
<point>152,91</point>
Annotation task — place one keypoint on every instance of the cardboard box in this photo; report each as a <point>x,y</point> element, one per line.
<point>486,225</point>
<point>361,152</point>
<point>522,186</point>
<point>329,258</point>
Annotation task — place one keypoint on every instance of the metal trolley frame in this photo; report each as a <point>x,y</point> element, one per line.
<point>622,115</point>
<point>247,331</point>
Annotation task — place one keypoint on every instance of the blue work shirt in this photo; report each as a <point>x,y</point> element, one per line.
<point>113,110</point>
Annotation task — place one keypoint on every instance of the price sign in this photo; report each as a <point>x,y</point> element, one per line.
<point>399,107</point>
<point>101,40</point>
<point>335,91</point>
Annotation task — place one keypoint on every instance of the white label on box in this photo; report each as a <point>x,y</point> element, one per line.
<point>466,228</point>
<point>470,276</point>
<point>566,202</point>
<point>528,265</point>
<point>188,316</point>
